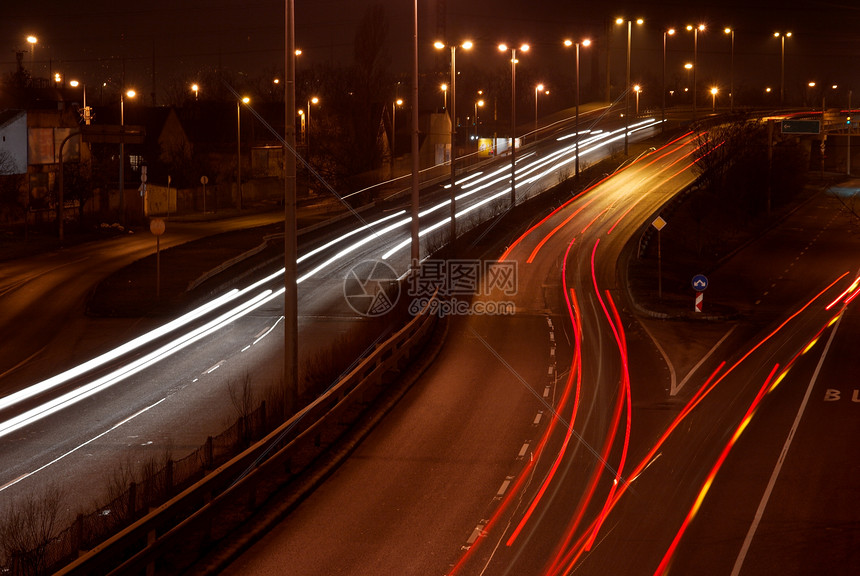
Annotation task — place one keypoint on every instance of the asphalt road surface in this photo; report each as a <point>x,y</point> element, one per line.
<point>569,438</point>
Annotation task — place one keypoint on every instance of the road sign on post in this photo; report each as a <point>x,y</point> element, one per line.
<point>700,282</point>
<point>659,224</point>
<point>801,126</point>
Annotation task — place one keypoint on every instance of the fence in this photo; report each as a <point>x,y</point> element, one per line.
<point>167,537</point>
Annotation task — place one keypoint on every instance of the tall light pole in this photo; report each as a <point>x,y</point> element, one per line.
<point>291,306</point>
<point>32,41</point>
<point>312,100</point>
<point>627,83</point>
<point>478,104</point>
<point>695,30</point>
<point>669,32</point>
<point>637,89</point>
<point>569,43</point>
<point>782,36</point>
<point>122,94</point>
<point>467,45</point>
<point>397,102</point>
<point>538,89</point>
<point>504,48</point>
<point>239,103</point>
<point>731,32</point>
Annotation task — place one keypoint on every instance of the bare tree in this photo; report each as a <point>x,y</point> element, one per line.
<point>28,528</point>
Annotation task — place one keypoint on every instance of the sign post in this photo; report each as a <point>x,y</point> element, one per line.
<point>156,226</point>
<point>204,180</point>
<point>700,282</point>
<point>659,224</point>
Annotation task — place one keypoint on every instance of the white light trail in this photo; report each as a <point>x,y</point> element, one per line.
<point>108,380</point>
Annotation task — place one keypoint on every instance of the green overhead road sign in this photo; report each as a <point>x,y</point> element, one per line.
<point>801,126</point>
<point>113,134</point>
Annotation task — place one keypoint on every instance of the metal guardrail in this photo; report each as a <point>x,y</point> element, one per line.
<point>188,520</point>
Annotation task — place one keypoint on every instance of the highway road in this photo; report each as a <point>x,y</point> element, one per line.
<point>168,392</point>
<point>577,437</point>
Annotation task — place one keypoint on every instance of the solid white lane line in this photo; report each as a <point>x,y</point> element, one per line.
<point>776,470</point>
<point>55,460</point>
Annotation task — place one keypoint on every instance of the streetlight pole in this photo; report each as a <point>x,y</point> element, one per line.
<point>695,30</point>
<point>627,83</point>
<point>504,48</point>
<point>782,36</point>
<point>130,94</point>
<point>291,306</point>
<point>731,32</point>
<point>477,104</point>
<point>32,40</point>
<point>569,43</point>
<point>453,116</point>
<point>637,89</point>
<point>239,103</point>
<point>669,32</point>
<point>397,102</point>
<point>538,89</point>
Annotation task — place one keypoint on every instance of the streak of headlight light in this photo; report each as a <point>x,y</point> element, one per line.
<point>566,136</point>
<point>318,249</point>
<point>103,359</point>
<point>556,165</point>
<point>489,175</point>
<point>550,159</point>
<point>138,365</point>
<point>406,242</point>
<point>367,239</point>
<point>353,248</point>
<point>466,179</point>
<point>441,223</point>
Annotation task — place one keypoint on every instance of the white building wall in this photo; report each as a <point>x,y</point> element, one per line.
<point>13,141</point>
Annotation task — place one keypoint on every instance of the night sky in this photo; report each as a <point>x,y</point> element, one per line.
<point>95,39</point>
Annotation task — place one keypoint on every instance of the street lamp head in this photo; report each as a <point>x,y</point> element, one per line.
<point>444,87</point>
<point>467,45</point>
<point>503,47</point>
<point>637,88</point>
<point>315,100</point>
<point>670,31</point>
<point>298,51</point>
<point>300,112</point>
<point>524,48</point>
<point>727,30</point>
<point>480,103</point>
<point>32,39</point>
<point>539,87</point>
<point>714,90</point>
<point>245,100</point>
<point>812,84</point>
<point>586,42</point>
<point>438,44</point>
<point>688,65</point>
<point>57,77</point>
<point>640,21</point>
<point>131,93</point>
<point>568,42</point>
<point>74,83</point>
<point>399,102</point>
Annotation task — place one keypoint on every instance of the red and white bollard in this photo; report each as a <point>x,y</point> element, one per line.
<point>699,297</point>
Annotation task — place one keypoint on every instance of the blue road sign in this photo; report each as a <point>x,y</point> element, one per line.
<point>700,282</point>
